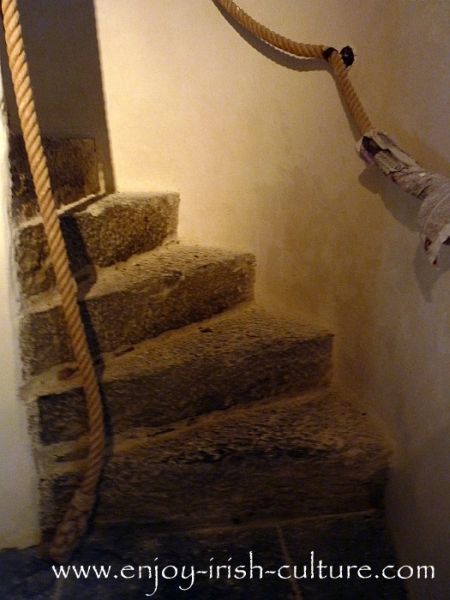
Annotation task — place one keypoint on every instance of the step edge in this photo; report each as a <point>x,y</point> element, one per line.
<point>48,383</point>
<point>371,513</point>
<point>77,207</point>
<point>50,299</point>
<point>126,442</point>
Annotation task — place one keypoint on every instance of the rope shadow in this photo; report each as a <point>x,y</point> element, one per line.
<point>288,61</point>
<point>294,63</point>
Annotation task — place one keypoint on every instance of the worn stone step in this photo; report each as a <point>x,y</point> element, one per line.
<point>138,299</point>
<point>339,541</point>
<point>238,357</point>
<point>224,554</point>
<point>99,232</point>
<point>73,168</point>
<point>308,455</point>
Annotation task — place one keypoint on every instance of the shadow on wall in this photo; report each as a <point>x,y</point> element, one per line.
<point>288,61</point>
<point>426,498</point>
<point>62,50</point>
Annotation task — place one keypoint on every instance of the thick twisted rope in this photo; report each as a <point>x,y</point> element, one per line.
<point>374,147</point>
<point>75,520</point>
<point>326,53</point>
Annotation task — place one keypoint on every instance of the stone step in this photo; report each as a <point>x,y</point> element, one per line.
<point>337,540</point>
<point>238,357</point>
<point>99,232</point>
<point>138,299</point>
<point>73,168</point>
<point>308,455</point>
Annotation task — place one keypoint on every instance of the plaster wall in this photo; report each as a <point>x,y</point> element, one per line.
<point>262,151</point>
<point>18,485</point>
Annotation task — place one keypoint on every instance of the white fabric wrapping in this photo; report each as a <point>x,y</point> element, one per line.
<point>433,189</point>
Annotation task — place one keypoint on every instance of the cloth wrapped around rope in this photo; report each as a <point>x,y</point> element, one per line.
<point>374,147</point>
<point>433,189</point>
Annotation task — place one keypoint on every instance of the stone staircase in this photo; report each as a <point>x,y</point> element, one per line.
<point>219,415</point>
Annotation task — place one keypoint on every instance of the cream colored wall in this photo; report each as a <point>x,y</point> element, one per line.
<point>263,156</point>
<point>18,485</point>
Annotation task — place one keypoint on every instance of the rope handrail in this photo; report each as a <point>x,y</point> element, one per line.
<point>327,53</point>
<point>73,525</point>
<point>374,147</point>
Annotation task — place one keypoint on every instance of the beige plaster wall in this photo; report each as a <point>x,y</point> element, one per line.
<point>18,481</point>
<point>262,154</point>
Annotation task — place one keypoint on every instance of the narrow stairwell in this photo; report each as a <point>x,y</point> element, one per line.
<point>224,433</point>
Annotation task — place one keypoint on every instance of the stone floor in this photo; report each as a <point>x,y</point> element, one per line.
<point>352,539</point>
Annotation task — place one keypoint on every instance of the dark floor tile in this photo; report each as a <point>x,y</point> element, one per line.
<point>353,539</point>
<point>345,540</point>
<point>23,575</point>
<point>197,549</point>
<point>29,578</point>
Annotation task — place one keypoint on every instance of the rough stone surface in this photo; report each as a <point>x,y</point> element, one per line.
<point>241,356</point>
<point>138,299</point>
<point>107,231</point>
<point>355,538</point>
<point>73,169</point>
<point>310,455</point>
